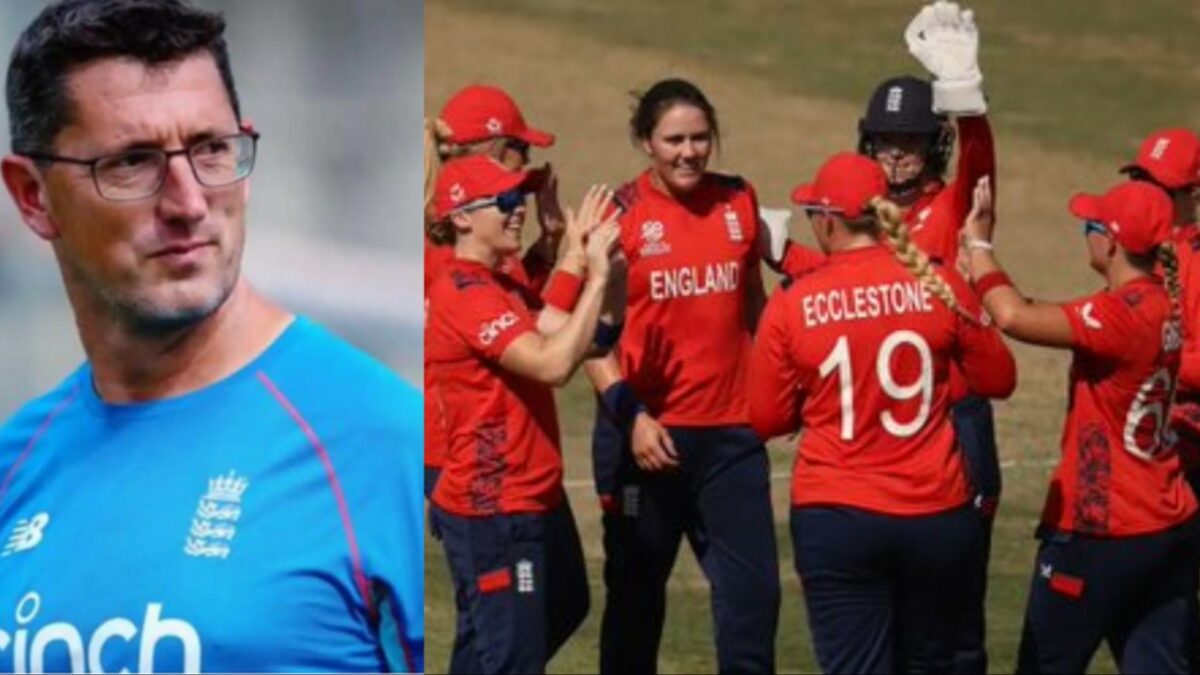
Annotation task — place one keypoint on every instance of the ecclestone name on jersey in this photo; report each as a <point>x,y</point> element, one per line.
<point>865,302</point>
<point>682,282</point>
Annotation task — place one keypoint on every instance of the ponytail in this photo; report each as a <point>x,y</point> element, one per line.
<point>912,258</point>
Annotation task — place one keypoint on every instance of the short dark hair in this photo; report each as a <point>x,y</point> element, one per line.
<point>663,96</point>
<point>70,33</point>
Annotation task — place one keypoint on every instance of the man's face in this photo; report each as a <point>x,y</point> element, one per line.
<point>170,259</point>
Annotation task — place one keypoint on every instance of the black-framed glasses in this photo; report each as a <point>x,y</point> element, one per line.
<point>139,173</point>
<point>507,202</point>
<point>1094,227</point>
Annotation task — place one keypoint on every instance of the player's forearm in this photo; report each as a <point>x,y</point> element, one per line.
<point>566,347</point>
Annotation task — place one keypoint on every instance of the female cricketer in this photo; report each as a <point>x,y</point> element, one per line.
<point>485,120</point>
<point>1119,544</point>
<point>859,354</point>
<point>673,452</point>
<point>510,540</point>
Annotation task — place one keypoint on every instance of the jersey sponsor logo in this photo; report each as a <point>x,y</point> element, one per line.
<point>733,225</point>
<point>213,527</point>
<point>865,302</point>
<point>690,281</point>
<point>490,330</point>
<point>23,649</point>
<point>524,576</point>
<point>1090,321</point>
<point>653,232</point>
<point>27,534</point>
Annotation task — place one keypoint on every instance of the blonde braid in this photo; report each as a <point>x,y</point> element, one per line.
<point>1169,261</point>
<point>913,258</point>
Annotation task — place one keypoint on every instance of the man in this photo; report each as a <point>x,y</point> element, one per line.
<point>223,485</point>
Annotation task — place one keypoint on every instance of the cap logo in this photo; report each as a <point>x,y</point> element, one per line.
<point>494,126</point>
<point>1160,148</point>
<point>457,193</point>
<point>1114,226</point>
<point>895,96</point>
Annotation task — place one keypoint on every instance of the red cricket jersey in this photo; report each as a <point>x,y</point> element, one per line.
<point>860,354</point>
<point>530,272</point>
<point>692,265</point>
<point>1117,477</point>
<point>500,429</point>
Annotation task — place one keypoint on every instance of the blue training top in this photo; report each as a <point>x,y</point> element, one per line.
<point>271,521</point>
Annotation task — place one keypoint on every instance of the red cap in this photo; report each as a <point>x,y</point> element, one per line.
<point>1171,157</point>
<point>1138,215</point>
<point>846,182</point>
<point>468,179</point>
<point>480,112</point>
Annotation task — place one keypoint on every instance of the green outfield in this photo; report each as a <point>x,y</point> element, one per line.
<point>1072,86</point>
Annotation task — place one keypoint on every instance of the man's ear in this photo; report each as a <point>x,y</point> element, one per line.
<point>27,187</point>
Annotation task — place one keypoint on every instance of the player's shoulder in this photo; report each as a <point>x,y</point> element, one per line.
<point>455,281</point>
<point>24,424</point>
<point>330,376</point>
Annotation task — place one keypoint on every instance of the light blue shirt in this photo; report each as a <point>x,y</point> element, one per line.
<point>271,521</point>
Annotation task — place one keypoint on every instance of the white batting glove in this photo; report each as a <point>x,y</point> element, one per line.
<point>944,39</point>
<point>773,224</point>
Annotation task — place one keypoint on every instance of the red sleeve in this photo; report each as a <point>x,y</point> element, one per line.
<point>799,259</point>
<point>976,159</point>
<point>488,319</point>
<point>774,379</point>
<point>1098,324</point>
<point>984,360</point>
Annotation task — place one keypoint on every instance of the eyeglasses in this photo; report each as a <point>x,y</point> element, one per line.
<point>140,173</point>
<point>507,202</point>
<point>1094,227</point>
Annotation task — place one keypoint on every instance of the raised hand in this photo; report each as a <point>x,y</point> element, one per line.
<point>945,40</point>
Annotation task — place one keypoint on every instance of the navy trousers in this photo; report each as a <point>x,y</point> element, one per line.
<point>520,588</point>
<point>976,434</point>
<point>885,593</point>
<point>720,499</point>
<point>1137,593</point>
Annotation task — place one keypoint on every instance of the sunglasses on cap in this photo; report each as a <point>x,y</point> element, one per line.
<point>507,202</point>
<point>1094,227</point>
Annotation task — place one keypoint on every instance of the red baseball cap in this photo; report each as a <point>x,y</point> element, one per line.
<point>845,183</point>
<point>1138,215</point>
<point>468,179</point>
<point>480,112</point>
<point>1171,157</point>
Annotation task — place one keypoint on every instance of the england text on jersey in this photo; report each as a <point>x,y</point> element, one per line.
<point>682,282</point>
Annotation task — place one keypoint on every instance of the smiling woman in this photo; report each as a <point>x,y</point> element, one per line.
<point>266,461</point>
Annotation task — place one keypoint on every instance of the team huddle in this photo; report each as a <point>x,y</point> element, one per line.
<point>881,348</point>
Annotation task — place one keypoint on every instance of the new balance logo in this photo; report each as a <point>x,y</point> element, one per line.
<point>26,535</point>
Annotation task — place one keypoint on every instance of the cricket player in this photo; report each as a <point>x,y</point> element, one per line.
<point>1120,539</point>
<point>859,355</point>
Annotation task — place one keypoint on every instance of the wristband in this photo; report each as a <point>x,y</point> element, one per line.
<point>979,245</point>
<point>622,403</point>
<point>562,291</point>
<point>991,280</point>
<point>607,335</point>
